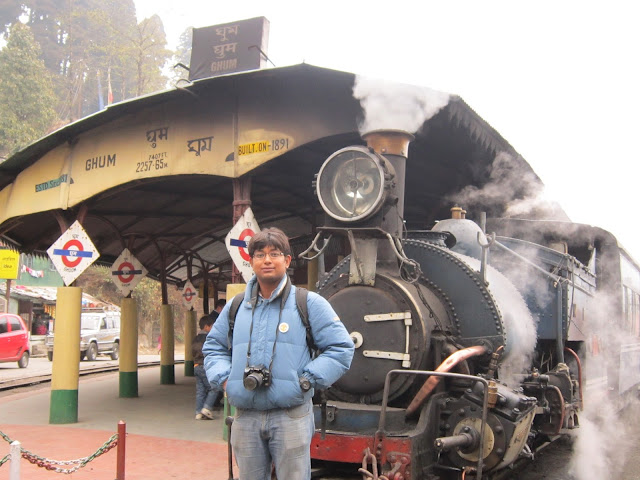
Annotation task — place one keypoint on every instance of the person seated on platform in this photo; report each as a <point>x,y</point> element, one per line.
<point>205,394</point>
<point>219,306</point>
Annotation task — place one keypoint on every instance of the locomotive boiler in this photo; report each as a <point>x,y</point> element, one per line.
<point>449,379</point>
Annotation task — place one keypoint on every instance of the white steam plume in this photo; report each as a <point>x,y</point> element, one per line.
<point>525,278</point>
<point>396,106</point>
<point>513,186</point>
<point>603,440</point>
<point>520,326</point>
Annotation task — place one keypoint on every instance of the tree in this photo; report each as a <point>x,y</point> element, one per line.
<point>9,12</point>
<point>27,97</point>
<point>98,39</point>
<point>97,282</point>
<point>182,55</point>
<point>85,40</point>
<point>151,55</point>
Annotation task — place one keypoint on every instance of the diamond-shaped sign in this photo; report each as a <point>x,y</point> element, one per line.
<point>237,241</point>
<point>189,295</point>
<point>73,253</point>
<point>127,272</point>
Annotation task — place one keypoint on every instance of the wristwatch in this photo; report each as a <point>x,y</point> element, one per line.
<point>305,384</point>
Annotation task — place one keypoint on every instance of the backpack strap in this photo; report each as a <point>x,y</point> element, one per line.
<point>301,304</point>
<point>233,311</point>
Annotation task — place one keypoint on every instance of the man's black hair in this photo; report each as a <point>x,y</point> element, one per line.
<point>270,237</point>
<point>206,320</point>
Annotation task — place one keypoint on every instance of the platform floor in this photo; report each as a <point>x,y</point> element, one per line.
<point>163,438</point>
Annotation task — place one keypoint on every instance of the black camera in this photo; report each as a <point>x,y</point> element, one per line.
<point>255,377</point>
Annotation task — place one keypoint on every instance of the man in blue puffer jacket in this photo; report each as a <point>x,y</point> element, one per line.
<point>267,369</point>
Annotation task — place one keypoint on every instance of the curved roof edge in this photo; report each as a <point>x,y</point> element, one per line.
<point>461,113</point>
<point>27,156</point>
<point>458,111</point>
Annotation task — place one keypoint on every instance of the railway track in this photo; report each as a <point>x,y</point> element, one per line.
<point>39,379</point>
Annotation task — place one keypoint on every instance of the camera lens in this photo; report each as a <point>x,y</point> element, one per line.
<point>252,381</point>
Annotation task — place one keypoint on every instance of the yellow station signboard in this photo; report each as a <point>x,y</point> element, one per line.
<point>9,261</point>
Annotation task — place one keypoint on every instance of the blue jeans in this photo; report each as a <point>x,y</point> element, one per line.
<point>282,436</point>
<point>205,394</point>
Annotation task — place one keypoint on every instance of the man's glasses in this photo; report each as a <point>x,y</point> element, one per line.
<point>272,255</point>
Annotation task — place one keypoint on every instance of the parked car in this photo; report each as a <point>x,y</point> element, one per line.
<point>99,334</point>
<point>14,340</point>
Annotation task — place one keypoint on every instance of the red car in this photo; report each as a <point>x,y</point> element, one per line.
<point>14,340</point>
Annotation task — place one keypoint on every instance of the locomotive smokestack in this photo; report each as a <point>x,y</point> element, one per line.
<point>394,146</point>
<point>389,142</point>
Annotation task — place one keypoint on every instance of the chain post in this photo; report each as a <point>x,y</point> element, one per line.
<point>14,468</point>
<point>122,439</point>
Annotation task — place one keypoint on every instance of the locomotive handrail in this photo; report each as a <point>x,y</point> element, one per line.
<point>491,239</point>
<point>315,248</point>
<point>485,403</point>
<point>553,277</point>
<point>396,248</point>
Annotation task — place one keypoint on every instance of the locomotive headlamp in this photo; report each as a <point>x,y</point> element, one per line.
<point>351,184</point>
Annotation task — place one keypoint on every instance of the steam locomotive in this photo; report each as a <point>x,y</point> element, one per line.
<point>469,346</point>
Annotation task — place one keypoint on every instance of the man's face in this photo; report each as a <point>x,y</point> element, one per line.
<point>272,267</point>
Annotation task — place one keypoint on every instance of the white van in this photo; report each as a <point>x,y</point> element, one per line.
<point>99,334</point>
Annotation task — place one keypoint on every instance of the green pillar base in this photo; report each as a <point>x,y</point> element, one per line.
<point>167,375</point>
<point>188,368</point>
<point>128,384</point>
<point>229,410</point>
<point>64,406</point>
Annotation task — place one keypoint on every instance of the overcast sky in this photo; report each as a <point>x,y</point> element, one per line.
<point>558,79</point>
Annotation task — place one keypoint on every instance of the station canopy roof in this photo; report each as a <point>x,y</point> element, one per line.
<point>155,174</point>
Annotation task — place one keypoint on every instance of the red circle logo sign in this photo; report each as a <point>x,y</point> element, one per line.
<point>188,294</point>
<point>126,267</point>
<point>76,260</point>
<point>246,233</point>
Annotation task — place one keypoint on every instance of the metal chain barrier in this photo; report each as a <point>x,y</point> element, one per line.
<point>366,474</point>
<point>5,459</point>
<point>51,464</point>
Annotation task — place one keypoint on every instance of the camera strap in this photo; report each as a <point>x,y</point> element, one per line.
<point>254,301</point>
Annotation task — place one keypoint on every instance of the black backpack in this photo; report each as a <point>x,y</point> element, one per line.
<point>301,304</point>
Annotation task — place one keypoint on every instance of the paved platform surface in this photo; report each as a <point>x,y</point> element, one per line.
<point>163,438</point>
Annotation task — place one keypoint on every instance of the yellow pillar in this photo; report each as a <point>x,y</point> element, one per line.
<point>167,359</point>
<point>189,334</point>
<point>129,349</point>
<point>232,290</point>
<point>312,274</point>
<point>66,356</point>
